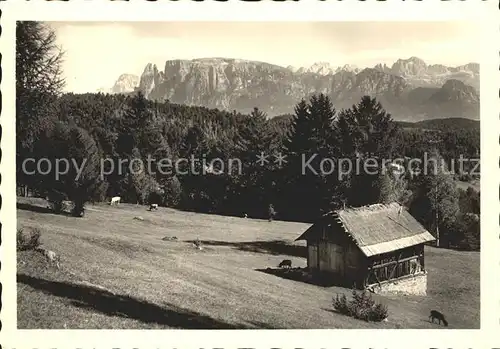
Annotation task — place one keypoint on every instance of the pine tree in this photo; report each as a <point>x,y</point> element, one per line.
<point>367,135</point>
<point>367,129</point>
<point>250,186</point>
<point>79,183</point>
<point>141,183</point>
<point>172,192</point>
<point>38,83</point>
<point>133,123</point>
<point>309,192</point>
<point>299,139</point>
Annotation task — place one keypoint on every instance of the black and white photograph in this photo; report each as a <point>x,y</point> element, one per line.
<point>248,175</point>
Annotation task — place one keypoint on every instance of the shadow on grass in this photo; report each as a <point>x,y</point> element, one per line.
<point>303,275</point>
<point>34,208</point>
<point>40,209</point>
<point>263,326</point>
<point>332,311</point>
<point>274,247</point>
<point>124,306</point>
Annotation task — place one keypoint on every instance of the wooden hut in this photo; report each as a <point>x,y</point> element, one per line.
<point>379,247</point>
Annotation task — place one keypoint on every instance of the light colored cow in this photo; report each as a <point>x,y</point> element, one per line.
<point>115,200</point>
<point>51,257</point>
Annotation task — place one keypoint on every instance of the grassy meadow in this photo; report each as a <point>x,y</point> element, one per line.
<point>117,272</point>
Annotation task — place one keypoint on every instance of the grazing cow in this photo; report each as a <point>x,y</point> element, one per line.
<point>115,200</point>
<point>153,207</point>
<point>439,316</point>
<point>170,238</point>
<point>197,244</point>
<point>285,263</point>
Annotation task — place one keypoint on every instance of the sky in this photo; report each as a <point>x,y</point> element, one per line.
<point>97,53</point>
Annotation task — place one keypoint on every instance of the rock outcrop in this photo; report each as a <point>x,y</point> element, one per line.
<point>125,83</point>
<point>419,74</point>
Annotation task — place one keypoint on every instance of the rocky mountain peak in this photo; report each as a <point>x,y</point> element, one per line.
<point>457,90</point>
<point>349,68</point>
<point>419,74</point>
<point>416,60</point>
<point>383,68</point>
<point>150,78</point>
<point>125,83</point>
<point>409,89</point>
<point>410,66</point>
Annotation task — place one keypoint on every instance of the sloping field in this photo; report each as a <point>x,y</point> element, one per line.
<point>117,272</point>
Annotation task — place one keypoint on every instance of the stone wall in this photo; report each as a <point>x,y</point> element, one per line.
<point>409,285</point>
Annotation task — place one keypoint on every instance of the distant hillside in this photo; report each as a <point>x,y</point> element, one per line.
<point>442,124</point>
<point>435,124</point>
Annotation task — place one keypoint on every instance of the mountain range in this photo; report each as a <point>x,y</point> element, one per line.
<point>410,89</point>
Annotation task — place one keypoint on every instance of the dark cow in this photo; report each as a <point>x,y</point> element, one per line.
<point>285,263</point>
<point>439,316</point>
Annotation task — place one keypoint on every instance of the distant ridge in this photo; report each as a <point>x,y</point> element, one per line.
<point>410,89</point>
<point>443,124</point>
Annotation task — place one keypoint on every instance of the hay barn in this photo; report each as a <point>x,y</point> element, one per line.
<point>377,247</point>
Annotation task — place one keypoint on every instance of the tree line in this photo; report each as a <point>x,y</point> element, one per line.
<point>88,128</point>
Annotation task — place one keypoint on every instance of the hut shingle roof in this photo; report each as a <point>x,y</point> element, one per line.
<point>378,228</point>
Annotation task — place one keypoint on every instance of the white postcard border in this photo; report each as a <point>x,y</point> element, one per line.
<point>484,12</point>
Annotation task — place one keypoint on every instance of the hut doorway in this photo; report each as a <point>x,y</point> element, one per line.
<point>331,258</point>
<point>323,256</point>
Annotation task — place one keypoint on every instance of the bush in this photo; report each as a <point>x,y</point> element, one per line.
<point>28,240</point>
<point>172,192</point>
<point>361,307</point>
